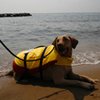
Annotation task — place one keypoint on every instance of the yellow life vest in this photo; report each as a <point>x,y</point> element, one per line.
<point>50,55</point>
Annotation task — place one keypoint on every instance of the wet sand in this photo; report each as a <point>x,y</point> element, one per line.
<point>37,90</point>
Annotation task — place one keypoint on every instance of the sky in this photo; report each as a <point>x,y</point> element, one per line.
<point>49,6</point>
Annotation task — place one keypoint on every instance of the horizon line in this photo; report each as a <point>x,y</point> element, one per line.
<point>48,12</point>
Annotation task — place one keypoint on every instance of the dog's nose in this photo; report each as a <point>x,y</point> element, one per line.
<point>60,47</point>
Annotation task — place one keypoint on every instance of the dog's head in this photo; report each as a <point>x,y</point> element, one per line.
<point>64,44</point>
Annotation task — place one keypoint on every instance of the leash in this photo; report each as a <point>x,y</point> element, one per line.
<point>23,59</point>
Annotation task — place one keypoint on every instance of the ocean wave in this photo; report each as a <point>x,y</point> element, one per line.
<point>86,58</point>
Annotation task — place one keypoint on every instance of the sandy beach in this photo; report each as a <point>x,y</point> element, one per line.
<point>10,90</point>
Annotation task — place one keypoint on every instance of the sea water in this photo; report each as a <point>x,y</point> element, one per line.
<point>21,33</point>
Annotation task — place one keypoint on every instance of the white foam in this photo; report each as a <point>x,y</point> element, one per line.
<point>88,57</point>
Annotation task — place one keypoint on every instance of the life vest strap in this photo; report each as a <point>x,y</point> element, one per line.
<point>41,60</point>
<point>40,66</point>
<point>25,64</point>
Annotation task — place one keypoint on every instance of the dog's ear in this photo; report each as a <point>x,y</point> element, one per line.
<point>54,42</point>
<point>74,42</point>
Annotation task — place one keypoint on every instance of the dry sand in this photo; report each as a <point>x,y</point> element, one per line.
<point>10,90</point>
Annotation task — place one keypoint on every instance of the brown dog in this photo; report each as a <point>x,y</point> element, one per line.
<point>62,74</point>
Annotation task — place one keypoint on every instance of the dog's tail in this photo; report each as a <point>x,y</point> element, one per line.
<point>10,73</point>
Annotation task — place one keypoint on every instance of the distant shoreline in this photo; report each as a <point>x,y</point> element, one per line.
<point>15,14</point>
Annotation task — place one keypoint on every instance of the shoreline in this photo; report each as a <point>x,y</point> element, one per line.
<point>10,90</point>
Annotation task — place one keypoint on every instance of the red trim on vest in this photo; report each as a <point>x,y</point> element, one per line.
<point>21,70</point>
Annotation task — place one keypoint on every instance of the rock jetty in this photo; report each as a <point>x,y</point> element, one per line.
<point>15,14</point>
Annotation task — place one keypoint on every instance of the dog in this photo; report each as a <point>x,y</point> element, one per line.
<point>57,71</point>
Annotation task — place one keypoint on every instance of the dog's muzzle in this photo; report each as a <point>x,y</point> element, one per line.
<point>62,49</point>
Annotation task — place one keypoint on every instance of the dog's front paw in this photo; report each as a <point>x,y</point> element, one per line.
<point>88,86</point>
<point>91,87</point>
<point>94,81</point>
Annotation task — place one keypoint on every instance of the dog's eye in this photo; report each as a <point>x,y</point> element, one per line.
<point>64,38</point>
<point>57,40</point>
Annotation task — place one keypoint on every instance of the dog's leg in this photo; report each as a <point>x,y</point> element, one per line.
<point>21,78</point>
<point>65,82</point>
<point>82,78</point>
<point>58,78</point>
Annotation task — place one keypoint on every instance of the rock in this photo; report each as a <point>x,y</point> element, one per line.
<point>15,14</point>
